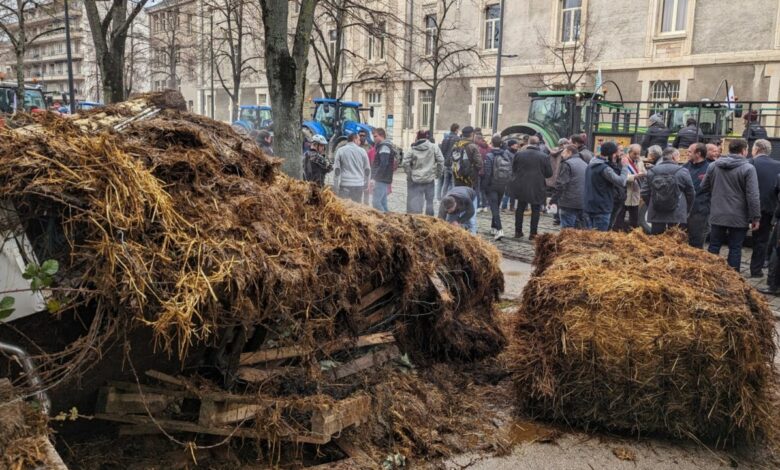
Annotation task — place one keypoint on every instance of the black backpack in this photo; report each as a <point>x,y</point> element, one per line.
<point>502,169</point>
<point>462,171</point>
<point>664,192</point>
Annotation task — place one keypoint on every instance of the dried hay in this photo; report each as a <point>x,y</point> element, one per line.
<point>181,225</point>
<point>644,335</point>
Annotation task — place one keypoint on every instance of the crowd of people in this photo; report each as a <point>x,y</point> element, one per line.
<point>711,196</point>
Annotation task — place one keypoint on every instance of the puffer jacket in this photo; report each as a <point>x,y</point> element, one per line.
<point>424,162</point>
<point>734,197</point>
<point>657,134</point>
<point>570,184</point>
<point>688,136</point>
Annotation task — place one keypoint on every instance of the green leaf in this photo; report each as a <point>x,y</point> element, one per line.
<point>36,284</point>
<point>46,280</point>
<point>50,267</point>
<point>53,305</point>
<point>30,271</point>
<point>7,302</point>
<point>6,313</point>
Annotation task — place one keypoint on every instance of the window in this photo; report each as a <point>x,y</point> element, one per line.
<point>332,40</point>
<point>486,101</point>
<point>431,28</point>
<point>374,98</point>
<point>376,42</point>
<point>262,99</point>
<point>426,100</point>
<point>673,16</point>
<point>665,90</point>
<point>492,27</point>
<point>571,17</point>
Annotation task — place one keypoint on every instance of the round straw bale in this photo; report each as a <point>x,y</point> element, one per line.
<point>639,334</point>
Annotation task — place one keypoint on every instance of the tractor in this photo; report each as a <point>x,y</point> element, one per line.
<point>335,119</point>
<point>34,99</point>
<point>556,114</point>
<point>253,118</point>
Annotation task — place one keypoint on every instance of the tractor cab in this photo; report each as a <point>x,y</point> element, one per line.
<point>714,119</point>
<point>334,119</point>
<point>556,114</point>
<point>34,99</point>
<point>254,117</point>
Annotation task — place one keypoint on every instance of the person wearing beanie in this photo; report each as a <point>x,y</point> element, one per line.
<point>657,133</point>
<point>600,183</point>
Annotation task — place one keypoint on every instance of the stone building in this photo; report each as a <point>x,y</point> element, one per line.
<point>46,59</point>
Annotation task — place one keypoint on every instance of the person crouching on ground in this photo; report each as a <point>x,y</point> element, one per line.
<point>315,164</point>
<point>352,171</point>
<point>457,207</point>
<point>423,164</point>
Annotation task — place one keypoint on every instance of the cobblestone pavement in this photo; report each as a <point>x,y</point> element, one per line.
<point>523,249</point>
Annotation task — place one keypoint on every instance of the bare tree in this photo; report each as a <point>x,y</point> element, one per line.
<point>13,24</point>
<point>286,63</point>
<point>137,57</point>
<point>441,56</point>
<point>574,58</point>
<point>173,46</point>
<point>237,45</point>
<point>109,33</point>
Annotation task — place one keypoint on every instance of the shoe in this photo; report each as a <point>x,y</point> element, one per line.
<point>519,234</point>
<point>556,222</point>
<point>499,235</point>
<point>769,290</point>
<point>756,275</point>
<point>532,236</point>
<point>493,231</point>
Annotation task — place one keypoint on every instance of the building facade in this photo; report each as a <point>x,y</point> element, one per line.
<point>46,58</point>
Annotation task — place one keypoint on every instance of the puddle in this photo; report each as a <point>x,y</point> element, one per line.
<point>522,432</point>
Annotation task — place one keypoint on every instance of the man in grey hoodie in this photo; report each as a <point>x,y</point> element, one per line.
<point>423,165</point>
<point>734,203</point>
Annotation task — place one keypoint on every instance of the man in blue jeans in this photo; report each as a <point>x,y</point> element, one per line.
<point>734,202</point>
<point>458,207</point>
<point>600,184</point>
<point>382,169</point>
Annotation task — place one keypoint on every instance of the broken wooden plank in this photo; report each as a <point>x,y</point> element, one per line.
<point>252,375</point>
<point>372,297</point>
<point>444,292</point>
<point>332,419</point>
<point>374,358</point>
<point>165,378</point>
<point>218,414</point>
<point>378,316</point>
<point>289,352</point>
<point>360,458</point>
<point>112,401</point>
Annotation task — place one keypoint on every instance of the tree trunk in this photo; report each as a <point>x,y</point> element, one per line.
<point>19,77</point>
<point>113,78</point>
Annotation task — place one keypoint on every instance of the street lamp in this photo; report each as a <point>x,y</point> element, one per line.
<point>71,90</point>
<point>497,89</point>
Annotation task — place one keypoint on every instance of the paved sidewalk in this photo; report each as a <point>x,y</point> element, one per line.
<point>523,249</point>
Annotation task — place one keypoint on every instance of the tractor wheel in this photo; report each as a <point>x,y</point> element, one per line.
<point>646,226</point>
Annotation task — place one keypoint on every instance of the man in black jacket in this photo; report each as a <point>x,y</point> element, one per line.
<point>688,135</point>
<point>753,128</point>
<point>445,180</point>
<point>767,170</point>
<point>773,274</point>
<point>657,133</point>
<point>382,169</point>
<point>530,168</point>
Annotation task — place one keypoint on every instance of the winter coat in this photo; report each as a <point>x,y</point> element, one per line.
<point>464,199</point>
<point>767,170</point>
<point>634,187</point>
<point>315,167</point>
<point>530,168</point>
<point>688,136</point>
<point>754,132</point>
<point>488,184</point>
<point>733,184</point>
<point>424,162</point>
<point>570,184</point>
<point>555,163</point>
<point>472,152</point>
<point>657,134</point>
<point>446,148</point>
<point>600,183</point>
<point>684,184</point>
<point>383,165</point>
<point>701,203</point>
<point>585,154</point>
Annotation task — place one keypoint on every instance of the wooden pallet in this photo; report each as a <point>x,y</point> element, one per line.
<point>222,414</point>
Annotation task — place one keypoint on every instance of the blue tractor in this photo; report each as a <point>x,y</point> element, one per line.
<point>253,118</point>
<point>335,119</point>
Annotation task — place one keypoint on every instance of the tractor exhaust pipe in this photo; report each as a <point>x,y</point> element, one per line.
<point>29,369</point>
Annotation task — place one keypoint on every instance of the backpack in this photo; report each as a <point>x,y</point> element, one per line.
<point>665,194</point>
<point>502,169</point>
<point>462,172</point>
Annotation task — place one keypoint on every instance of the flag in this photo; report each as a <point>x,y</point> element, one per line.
<point>599,81</point>
<point>732,99</point>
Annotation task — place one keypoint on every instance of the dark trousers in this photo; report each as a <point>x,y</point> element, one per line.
<point>659,228</point>
<point>733,237</point>
<point>494,197</point>
<point>698,227</point>
<point>419,195</point>
<point>536,212</point>
<point>620,224</point>
<point>773,274</point>
<point>354,193</point>
<point>760,244</point>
